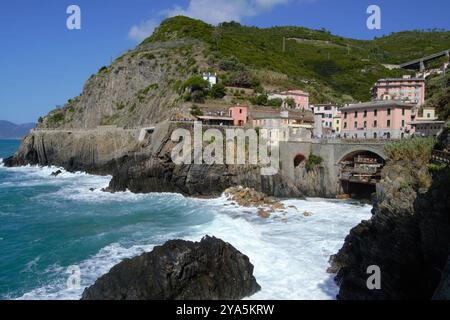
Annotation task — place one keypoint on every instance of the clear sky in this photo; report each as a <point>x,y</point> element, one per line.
<point>43,64</point>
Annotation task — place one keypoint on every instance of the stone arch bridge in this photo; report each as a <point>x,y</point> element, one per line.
<point>336,175</point>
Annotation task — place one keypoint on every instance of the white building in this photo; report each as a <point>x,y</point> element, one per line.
<point>325,113</point>
<point>285,125</point>
<point>427,124</point>
<point>211,78</point>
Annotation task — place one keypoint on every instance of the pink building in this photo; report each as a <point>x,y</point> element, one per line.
<point>300,98</point>
<point>239,115</point>
<point>377,120</point>
<point>406,89</point>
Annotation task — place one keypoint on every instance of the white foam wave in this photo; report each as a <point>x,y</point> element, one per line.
<point>290,251</point>
<point>91,269</point>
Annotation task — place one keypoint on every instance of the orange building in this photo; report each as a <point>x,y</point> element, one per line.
<point>239,115</point>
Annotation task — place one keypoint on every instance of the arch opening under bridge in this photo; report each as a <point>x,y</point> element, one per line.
<point>359,172</point>
<point>299,159</point>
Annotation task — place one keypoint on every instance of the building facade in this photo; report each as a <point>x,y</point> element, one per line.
<point>427,128</point>
<point>337,124</point>
<point>300,98</point>
<point>239,114</point>
<point>426,123</point>
<point>211,78</point>
<point>288,125</point>
<point>427,114</point>
<point>406,89</point>
<point>326,114</point>
<point>377,120</point>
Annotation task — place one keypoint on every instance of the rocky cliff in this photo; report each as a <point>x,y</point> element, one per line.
<point>142,167</point>
<point>92,151</point>
<point>139,88</point>
<point>408,236</point>
<point>179,270</point>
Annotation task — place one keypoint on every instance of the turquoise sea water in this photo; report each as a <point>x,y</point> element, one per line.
<point>50,223</point>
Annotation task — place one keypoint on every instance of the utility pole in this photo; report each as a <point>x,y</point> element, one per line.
<point>284,44</point>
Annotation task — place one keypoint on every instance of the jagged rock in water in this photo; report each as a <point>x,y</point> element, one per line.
<point>443,291</point>
<point>56,173</point>
<point>206,270</point>
<point>408,237</point>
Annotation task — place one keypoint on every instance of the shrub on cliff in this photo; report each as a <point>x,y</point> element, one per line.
<point>217,91</point>
<point>408,163</point>
<point>313,162</point>
<point>417,150</point>
<point>56,118</point>
<point>196,89</point>
<point>196,111</point>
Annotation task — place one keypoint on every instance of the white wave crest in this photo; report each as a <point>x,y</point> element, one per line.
<point>91,269</point>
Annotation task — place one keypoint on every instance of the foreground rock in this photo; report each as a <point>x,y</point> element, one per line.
<point>206,270</point>
<point>408,236</point>
<point>56,173</point>
<point>443,291</point>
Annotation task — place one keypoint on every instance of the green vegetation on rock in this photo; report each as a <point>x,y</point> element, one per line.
<point>438,95</point>
<point>313,162</point>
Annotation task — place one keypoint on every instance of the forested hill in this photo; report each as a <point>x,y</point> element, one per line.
<point>329,66</point>
<point>148,84</point>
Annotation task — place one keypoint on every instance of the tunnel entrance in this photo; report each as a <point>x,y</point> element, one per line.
<point>360,172</point>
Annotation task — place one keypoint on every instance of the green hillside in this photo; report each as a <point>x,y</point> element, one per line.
<point>330,67</point>
<point>438,95</point>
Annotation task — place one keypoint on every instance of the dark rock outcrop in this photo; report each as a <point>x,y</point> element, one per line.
<point>142,167</point>
<point>56,173</point>
<point>408,237</point>
<point>179,270</point>
<point>443,291</point>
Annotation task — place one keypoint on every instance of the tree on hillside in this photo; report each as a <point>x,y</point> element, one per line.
<point>290,103</point>
<point>217,91</point>
<point>196,89</point>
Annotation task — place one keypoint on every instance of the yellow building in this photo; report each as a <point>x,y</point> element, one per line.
<point>337,124</point>
<point>428,114</point>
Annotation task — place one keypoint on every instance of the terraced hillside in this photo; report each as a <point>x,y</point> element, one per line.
<point>147,84</point>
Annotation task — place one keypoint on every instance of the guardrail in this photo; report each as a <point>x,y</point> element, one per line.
<point>441,156</point>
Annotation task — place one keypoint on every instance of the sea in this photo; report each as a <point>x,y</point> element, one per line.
<point>51,226</point>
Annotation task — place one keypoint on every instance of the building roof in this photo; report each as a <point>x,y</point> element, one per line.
<point>269,114</point>
<point>265,114</point>
<point>401,79</point>
<point>378,104</point>
<point>427,122</point>
<point>215,118</point>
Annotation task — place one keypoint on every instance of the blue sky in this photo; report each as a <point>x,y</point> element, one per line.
<point>43,64</point>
